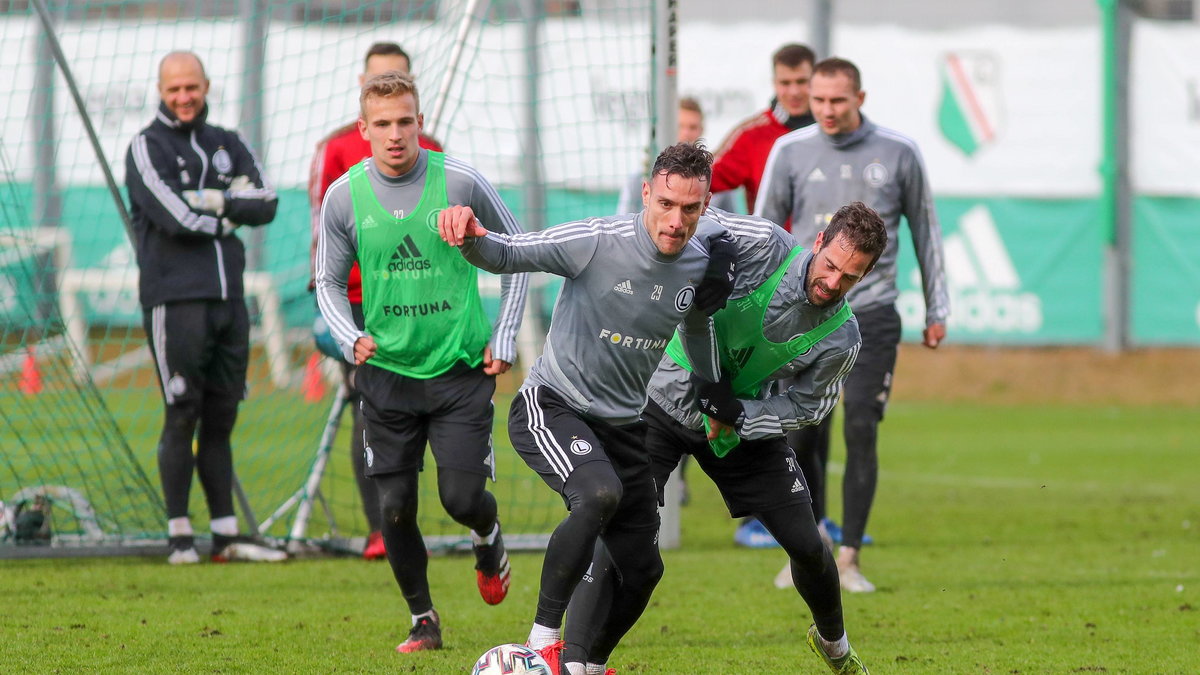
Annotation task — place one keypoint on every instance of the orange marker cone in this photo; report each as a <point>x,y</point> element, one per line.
<point>313,385</point>
<point>31,379</point>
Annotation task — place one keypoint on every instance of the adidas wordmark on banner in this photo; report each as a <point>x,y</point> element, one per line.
<point>985,289</point>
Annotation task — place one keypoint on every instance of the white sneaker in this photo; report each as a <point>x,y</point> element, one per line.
<point>241,551</point>
<point>183,556</point>
<point>853,580</point>
<point>183,550</point>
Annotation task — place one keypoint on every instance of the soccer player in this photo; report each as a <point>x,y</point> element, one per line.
<point>335,154</point>
<point>743,154</point>
<point>740,161</point>
<point>630,280</point>
<point>810,173</point>
<point>787,323</point>
<point>191,184</point>
<point>427,358</point>
<point>691,128</point>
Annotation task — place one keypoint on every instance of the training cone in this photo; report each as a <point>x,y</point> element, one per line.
<point>314,384</point>
<point>31,378</point>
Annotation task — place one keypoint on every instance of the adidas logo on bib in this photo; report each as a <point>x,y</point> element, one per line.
<point>624,287</point>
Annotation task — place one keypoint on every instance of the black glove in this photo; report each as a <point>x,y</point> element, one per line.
<point>716,399</point>
<point>717,284</point>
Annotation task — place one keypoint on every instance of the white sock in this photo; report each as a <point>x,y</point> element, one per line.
<point>596,669</point>
<point>179,527</point>
<point>427,615</point>
<point>226,527</point>
<point>540,636</point>
<point>836,649</point>
<point>576,668</point>
<point>485,539</point>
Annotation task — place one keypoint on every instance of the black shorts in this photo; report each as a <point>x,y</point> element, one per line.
<point>869,384</point>
<point>200,348</point>
<point>453,412</point>
<point>755,477</point>
<point>554,440</point>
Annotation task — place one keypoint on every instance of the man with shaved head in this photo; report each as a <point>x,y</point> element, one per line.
<point>191,185</point>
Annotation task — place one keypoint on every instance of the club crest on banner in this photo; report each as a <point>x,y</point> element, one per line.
<point>970,113</point>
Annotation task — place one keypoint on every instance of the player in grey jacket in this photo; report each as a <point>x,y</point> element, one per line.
<point>428,356</point>
<point>817,373</point>
<point>810,173</point>
<point>630,281</point>
<point>786,321</point>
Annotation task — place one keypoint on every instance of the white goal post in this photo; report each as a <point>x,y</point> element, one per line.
<point>271,331</point>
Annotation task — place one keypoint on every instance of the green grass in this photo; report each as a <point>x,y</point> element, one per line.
<point>1009,540</point>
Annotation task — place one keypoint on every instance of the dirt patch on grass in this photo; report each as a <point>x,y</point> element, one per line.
<point>1165,376</point>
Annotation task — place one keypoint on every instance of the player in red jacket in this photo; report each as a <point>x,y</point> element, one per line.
<point>743,154</point>
<point>335,154</point>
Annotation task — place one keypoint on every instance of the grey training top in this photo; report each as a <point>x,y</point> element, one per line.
<point>620,303</point>
<point>337,244</point>
<point>810,175</point>
<point>630,198</point>
<point>820,372</point>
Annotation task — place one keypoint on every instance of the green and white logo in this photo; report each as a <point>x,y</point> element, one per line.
<point>970,112</point>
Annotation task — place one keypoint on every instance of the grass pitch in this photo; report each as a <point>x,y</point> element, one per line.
<point>1017,539</point>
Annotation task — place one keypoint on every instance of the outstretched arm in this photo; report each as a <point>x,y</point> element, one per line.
<point>564,249</point>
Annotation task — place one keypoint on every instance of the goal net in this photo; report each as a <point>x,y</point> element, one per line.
<point>551,101</point>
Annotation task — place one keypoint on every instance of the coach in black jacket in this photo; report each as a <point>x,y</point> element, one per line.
<point>191,185</point>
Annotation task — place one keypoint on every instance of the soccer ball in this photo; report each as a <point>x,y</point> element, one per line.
<point>511,659</point>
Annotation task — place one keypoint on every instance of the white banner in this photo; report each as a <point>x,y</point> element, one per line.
<point>1164,100</point>
<point>594,116</point>
<point>995,110</point>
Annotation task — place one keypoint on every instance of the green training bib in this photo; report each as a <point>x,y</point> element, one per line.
<point>420,297</point>
<point>746,355</point>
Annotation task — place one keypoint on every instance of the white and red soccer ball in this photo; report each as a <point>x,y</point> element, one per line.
<point>511,659</point>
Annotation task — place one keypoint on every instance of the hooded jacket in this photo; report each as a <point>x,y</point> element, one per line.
<point>185,252</point>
